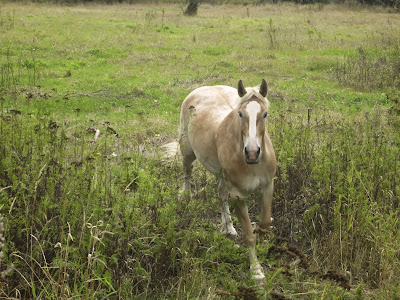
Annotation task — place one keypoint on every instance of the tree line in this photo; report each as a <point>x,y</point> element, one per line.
<point>194,3</point>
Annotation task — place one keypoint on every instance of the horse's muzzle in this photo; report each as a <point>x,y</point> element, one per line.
<point>252,154</point>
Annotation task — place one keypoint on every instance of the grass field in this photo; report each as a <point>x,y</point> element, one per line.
<point>101,218</point>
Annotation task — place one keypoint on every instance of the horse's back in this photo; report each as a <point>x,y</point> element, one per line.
<point>211,98</point>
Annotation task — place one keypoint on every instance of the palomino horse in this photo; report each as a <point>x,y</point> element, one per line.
<point>224,129</point>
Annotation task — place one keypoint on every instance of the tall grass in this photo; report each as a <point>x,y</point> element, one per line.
<point>341,176</point>
<point>366,71</point>
<point>98,220</point>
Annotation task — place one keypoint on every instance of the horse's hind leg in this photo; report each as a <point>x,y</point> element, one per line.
<point>187,171</point>
<point>187,161</point>
<point>227,224</point>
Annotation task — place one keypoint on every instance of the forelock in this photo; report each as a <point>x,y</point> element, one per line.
<point>253,92</point>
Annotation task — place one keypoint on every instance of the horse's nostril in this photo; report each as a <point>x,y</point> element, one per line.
<point>258,151</point>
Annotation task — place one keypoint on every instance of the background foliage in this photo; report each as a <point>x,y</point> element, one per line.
<point>395,4</point>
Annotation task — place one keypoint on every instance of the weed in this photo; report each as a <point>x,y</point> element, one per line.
<point>7,22</point>
<point>272,34</point>
<point>23,71</point>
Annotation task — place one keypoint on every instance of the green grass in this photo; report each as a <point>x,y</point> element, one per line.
<point>103,219</point>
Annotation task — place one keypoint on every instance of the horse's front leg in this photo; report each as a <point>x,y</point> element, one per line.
<point>249,239</point>
<point>265,203</point>
<point>226,224</point>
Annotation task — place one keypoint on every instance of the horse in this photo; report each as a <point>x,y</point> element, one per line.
<point>224,128</point>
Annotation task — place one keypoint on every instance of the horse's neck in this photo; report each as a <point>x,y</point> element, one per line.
<point>230,131</point>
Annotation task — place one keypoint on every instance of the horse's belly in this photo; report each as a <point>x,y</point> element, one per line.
<point>204,147</point>
<point>205,109</point>
<point>211,165</point>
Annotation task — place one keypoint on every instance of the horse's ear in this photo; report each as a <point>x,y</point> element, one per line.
<point>264,88</point>
<point>241,90</point>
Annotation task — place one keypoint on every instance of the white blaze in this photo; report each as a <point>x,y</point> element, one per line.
<point>253,108</point>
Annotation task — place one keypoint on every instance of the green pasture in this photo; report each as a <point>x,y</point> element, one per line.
<point>102,218</point>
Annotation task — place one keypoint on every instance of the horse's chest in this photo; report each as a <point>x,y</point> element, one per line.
<point>252,183</point>
<point>245,183</point>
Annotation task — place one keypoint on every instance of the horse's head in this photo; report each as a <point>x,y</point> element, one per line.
<point>252,111</point>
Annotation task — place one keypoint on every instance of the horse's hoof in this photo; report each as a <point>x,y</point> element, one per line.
<point>228,230</point>
<point>260,279</point>
<point>258,275</point>
<point>231,234</point>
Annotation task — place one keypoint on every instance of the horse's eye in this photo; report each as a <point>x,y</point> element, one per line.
<point>265,114</point>
<point>240,114</point>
